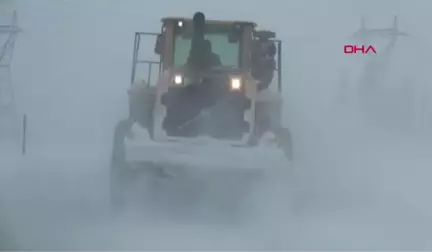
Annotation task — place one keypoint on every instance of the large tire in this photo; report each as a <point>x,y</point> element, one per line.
<point>120,175</point>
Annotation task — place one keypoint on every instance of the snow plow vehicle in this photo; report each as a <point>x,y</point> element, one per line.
<point>210,112</point>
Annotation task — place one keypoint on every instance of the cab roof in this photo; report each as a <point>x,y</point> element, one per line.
<point>210,21</point>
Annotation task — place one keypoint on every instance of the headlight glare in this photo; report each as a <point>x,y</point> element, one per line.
<point>236,84</point>
<point>178,79</point>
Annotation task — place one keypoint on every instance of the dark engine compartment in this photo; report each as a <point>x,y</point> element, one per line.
<point>206,107</point>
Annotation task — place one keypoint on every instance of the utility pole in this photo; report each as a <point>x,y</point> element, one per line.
<point>8,36</point>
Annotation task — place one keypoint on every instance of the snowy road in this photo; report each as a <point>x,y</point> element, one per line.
<point>61,203</point>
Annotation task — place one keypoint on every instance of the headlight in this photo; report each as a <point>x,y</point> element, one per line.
<point>236,84</point>
<point>178,79</point>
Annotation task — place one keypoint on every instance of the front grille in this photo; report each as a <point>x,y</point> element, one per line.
<point>207,108</point>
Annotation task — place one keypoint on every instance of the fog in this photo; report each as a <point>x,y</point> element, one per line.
<point>360,180</point>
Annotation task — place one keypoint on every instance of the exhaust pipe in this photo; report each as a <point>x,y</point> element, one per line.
<point>198,31</point>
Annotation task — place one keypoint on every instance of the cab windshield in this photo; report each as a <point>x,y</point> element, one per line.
<point>218,35</point>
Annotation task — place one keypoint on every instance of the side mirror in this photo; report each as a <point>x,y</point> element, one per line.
<point>159,45</point>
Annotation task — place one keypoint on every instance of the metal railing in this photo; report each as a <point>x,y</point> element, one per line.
<point>136,60</point>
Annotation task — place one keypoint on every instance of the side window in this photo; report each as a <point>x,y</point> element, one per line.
<point>181,50</point>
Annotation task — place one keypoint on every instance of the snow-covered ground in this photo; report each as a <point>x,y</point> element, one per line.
<point>352,192</point>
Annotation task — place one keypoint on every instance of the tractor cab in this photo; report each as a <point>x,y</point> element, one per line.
<point>238,45</point>
<point>207,81</point>
<point>220,46</point>
<point>206,71</point>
